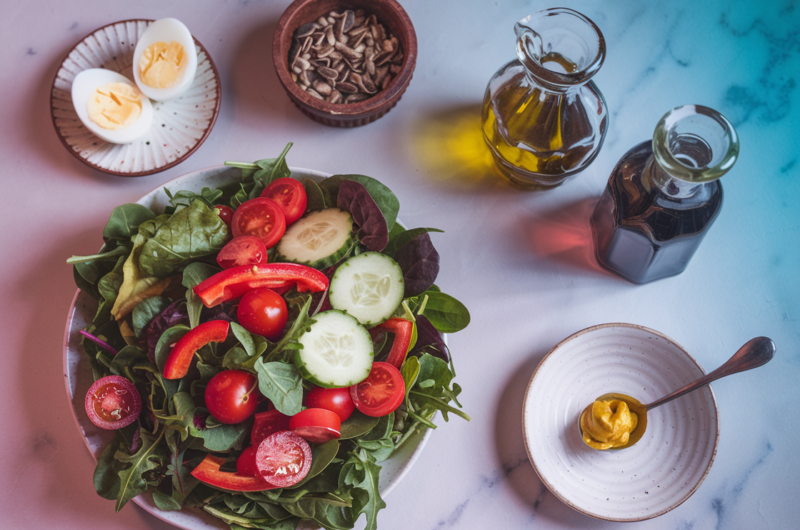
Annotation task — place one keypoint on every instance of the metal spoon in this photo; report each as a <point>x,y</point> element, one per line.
<point>754,353</point>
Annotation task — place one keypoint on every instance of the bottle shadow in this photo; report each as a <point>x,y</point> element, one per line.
<point>448,143</point>
<point>563,235</point>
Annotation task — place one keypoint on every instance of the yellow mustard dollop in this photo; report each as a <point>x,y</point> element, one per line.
<point>114,106</point>
<point>608,424</point>
<point>161,65</point>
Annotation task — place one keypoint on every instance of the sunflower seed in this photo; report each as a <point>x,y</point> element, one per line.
<point>335,97</point>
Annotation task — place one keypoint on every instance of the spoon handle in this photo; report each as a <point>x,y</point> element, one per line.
<point>754,353</point>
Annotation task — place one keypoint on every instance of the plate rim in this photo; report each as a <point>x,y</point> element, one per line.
<point>552,489</point>
<point>139,500</point>
<point>190,152</point>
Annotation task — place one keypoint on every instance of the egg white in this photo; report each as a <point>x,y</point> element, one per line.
<point>166,30</point>
<point>84,86</point>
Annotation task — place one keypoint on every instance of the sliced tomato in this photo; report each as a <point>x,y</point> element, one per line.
<point>336,400</point>
<point>283,459</point>
<point>112,402</point>
<point>290,195</point>
<point>208,471</point>
<point>267,423</point>
<point>260,217</point>
<point>381,392</point>
<point>225,213</point>
<point>242,250</point>
<point>316,425</point>
<point>246,463</point>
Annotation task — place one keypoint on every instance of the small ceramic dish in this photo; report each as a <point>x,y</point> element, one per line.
<point>78,371</point>
<point>645,480</point>
<point>396,21</point>
<point>178,128</point>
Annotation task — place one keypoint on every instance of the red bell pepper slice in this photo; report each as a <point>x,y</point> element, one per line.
<point>403,330</point>
<point>180,357</point>
<point>208,471</point>
<point>236,281</point>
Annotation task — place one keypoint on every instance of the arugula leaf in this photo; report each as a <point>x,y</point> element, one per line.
<point>125,220</point>
<point>281,383</point>
<point>362,473</point>
<point>132,479</point>
<point>447,314</point>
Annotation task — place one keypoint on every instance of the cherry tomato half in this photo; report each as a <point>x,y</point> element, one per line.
<point>231,396</point>
<point>225,213</point>
<point>283,459</point>
<point>263,312</point>
<point>246,463</point>
<point>336,400</point>
<point>242,250</point>
<point>260,217</point>
<point>381,392</point>
<point>267,423</point>
<point>112,402</point>
<point>290,195</point>
<point>316,425</point>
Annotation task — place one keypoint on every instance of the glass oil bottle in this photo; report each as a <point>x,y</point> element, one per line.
<point>543,119</point>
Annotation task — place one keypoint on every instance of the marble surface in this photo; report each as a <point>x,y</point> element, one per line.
<point>522,262</point>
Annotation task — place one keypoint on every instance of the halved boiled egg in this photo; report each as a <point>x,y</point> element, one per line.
<point>111,106</point>
<point>164,60</point>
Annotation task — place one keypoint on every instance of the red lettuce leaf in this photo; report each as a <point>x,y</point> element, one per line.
<point>373,231</point>
<point>419,262</point>
<point>429,340</point>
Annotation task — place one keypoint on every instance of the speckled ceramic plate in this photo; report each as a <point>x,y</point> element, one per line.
<point>647,479</point>
<point>179,126</point>
<point>78,372</point>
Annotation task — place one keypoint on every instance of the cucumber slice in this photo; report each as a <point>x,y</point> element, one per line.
<point>336,352</point>
<point>369,287</point>
<point>319,240</point>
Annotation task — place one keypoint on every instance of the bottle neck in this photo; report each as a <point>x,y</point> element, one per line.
<point>654,176</point>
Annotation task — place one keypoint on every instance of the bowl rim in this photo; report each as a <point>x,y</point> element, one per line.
<point>550,486</point>
<point>359,109</point>
<point>190,152</point>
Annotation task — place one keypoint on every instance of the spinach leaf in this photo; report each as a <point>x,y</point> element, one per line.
<point>146,310</point>
<point>125,220</point>
<point>184,198</point>
<point>383,196</point>
<point>106,473</point>
<point>358,424</point>
<point>193,275</point>
<point>220,437</point>
<point>447,314</point>
<point>316,201</point>
<point>419,262</point>
<point>166,342</point>
<point>189,234</point>
<point>165,502</point>
<point>322,456</point>
<point>373,231</point>
<point>281,383</point>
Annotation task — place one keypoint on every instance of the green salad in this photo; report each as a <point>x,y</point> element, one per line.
<point>260,348</point>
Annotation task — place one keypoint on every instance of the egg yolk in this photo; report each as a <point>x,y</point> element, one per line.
<point>161,65</point>
<point>608,424</point>
<point>114,106</point>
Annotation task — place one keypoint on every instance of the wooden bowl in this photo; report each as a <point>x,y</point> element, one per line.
<point>396,21</point>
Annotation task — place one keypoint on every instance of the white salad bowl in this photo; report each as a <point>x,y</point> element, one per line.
<point>643,481</point>
<point>78,373</point>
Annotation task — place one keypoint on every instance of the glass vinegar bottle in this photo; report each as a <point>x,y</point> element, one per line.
<point>542,117</point>
<point>663,195</point>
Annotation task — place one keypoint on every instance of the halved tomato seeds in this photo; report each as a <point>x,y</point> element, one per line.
<point>260,217</point>
<point>283,459</point>
<point>381,392</point>
<point>112,402</point>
